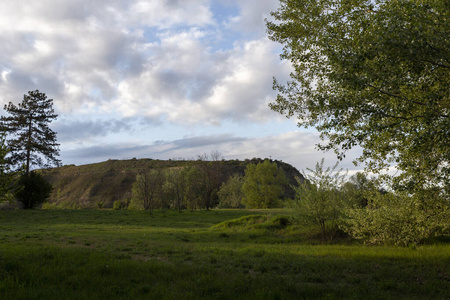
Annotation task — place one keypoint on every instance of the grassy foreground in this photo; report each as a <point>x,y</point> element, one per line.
<point>89,254</point>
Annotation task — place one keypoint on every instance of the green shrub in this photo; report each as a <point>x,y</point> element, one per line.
<point>318,200</point>
<point>35,190</point>
<point>399,219</point>
<point>118,205</point>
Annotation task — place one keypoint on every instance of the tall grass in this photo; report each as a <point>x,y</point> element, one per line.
<point>219,254</point>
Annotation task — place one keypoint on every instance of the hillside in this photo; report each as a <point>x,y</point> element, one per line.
<point>88,186</point>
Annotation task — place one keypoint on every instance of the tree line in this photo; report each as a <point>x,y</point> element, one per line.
<point>203,186</point>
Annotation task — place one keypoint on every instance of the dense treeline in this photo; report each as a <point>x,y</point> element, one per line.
<point>204,186</point>
<point>178,184</point>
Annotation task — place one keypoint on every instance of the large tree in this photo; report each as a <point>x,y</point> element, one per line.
<point>147,189</point>
<point>264,185</point>
<point>373,73</point>
<point>31,140</point>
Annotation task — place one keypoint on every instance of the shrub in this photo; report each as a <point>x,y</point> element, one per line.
<point>399,219</point>
<point>118,205</point>
<point>35,190</point>
<point>318,200</point>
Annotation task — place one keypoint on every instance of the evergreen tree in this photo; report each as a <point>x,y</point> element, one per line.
<point>31,141</point>
<point>35,190</point>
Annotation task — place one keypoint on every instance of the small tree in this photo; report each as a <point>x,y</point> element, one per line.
<point>174,187</point>
<point>195,188</point>
<point>35,190</point>
<point>263,185</point>
<point>32,142</point>
<point>147,189</point>
<point>358,188</point>
<point>230,194</point>
<point>318,200</point>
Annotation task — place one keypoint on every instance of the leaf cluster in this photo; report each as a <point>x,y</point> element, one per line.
<point>374,74</point>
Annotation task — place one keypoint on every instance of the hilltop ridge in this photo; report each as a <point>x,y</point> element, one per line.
<point>101,184</point>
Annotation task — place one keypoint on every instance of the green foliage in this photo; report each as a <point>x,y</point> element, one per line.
<point>195,193</point>
<point>399,219</point>
<point>147,189</point>
<point>319,200</point>
<point>230,194</point>
<point>117,205</point>
<point>31,140</point>
<point>358,189</point>
<point>8,179</point>
<point>374,74</point>
<point>242,222</point>
<point>86,185</point>
<point>263,185</point>
<point>35,190</point>
<point>175,187</point>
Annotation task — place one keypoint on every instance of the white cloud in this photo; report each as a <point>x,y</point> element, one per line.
<point>165,61</point>
<point>165,14</point>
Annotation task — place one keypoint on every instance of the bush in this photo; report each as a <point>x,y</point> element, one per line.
<point>318,200</point>
<point>35,190</point>
<point>399,219</point>
<point>118,205</point>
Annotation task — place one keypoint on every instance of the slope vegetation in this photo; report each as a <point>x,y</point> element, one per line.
<point>100,184</point>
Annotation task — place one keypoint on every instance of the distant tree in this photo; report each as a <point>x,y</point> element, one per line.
<point>216,155</point>
<point>31,141</point>
<point>212,180</point>
<point>35,190</point>
<point>230,194</point>
<point>195,188</point>
<point>318,200</point>
<point>263,185</point>
<point>358,189</point>
<point>174,187</point>
<point>147,189</point>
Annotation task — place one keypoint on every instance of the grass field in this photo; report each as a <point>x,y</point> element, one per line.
<point>218,254</point>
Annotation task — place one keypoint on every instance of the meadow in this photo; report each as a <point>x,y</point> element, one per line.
<point>216,254</point>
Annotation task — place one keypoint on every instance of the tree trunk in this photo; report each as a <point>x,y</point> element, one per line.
<point>29,147</point>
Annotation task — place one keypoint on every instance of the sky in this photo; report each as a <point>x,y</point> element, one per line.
<point>160,79</point>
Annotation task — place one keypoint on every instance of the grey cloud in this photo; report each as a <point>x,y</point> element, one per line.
<point>78,130</point>
<point>296,148</point>
<point>205,141</point>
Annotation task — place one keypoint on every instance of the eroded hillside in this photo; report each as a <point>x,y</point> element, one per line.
<point>101,184</point>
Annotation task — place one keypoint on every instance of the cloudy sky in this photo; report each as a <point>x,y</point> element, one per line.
<point>153,78</point>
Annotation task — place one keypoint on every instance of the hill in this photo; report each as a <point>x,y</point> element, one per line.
<point>101,184</point>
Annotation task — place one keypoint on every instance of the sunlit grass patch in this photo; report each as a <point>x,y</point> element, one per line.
<point>198,255</point>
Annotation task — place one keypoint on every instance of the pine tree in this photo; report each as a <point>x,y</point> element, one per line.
<point>31,141</point>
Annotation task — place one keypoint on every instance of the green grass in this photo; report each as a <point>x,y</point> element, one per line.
<point>218,254</point>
